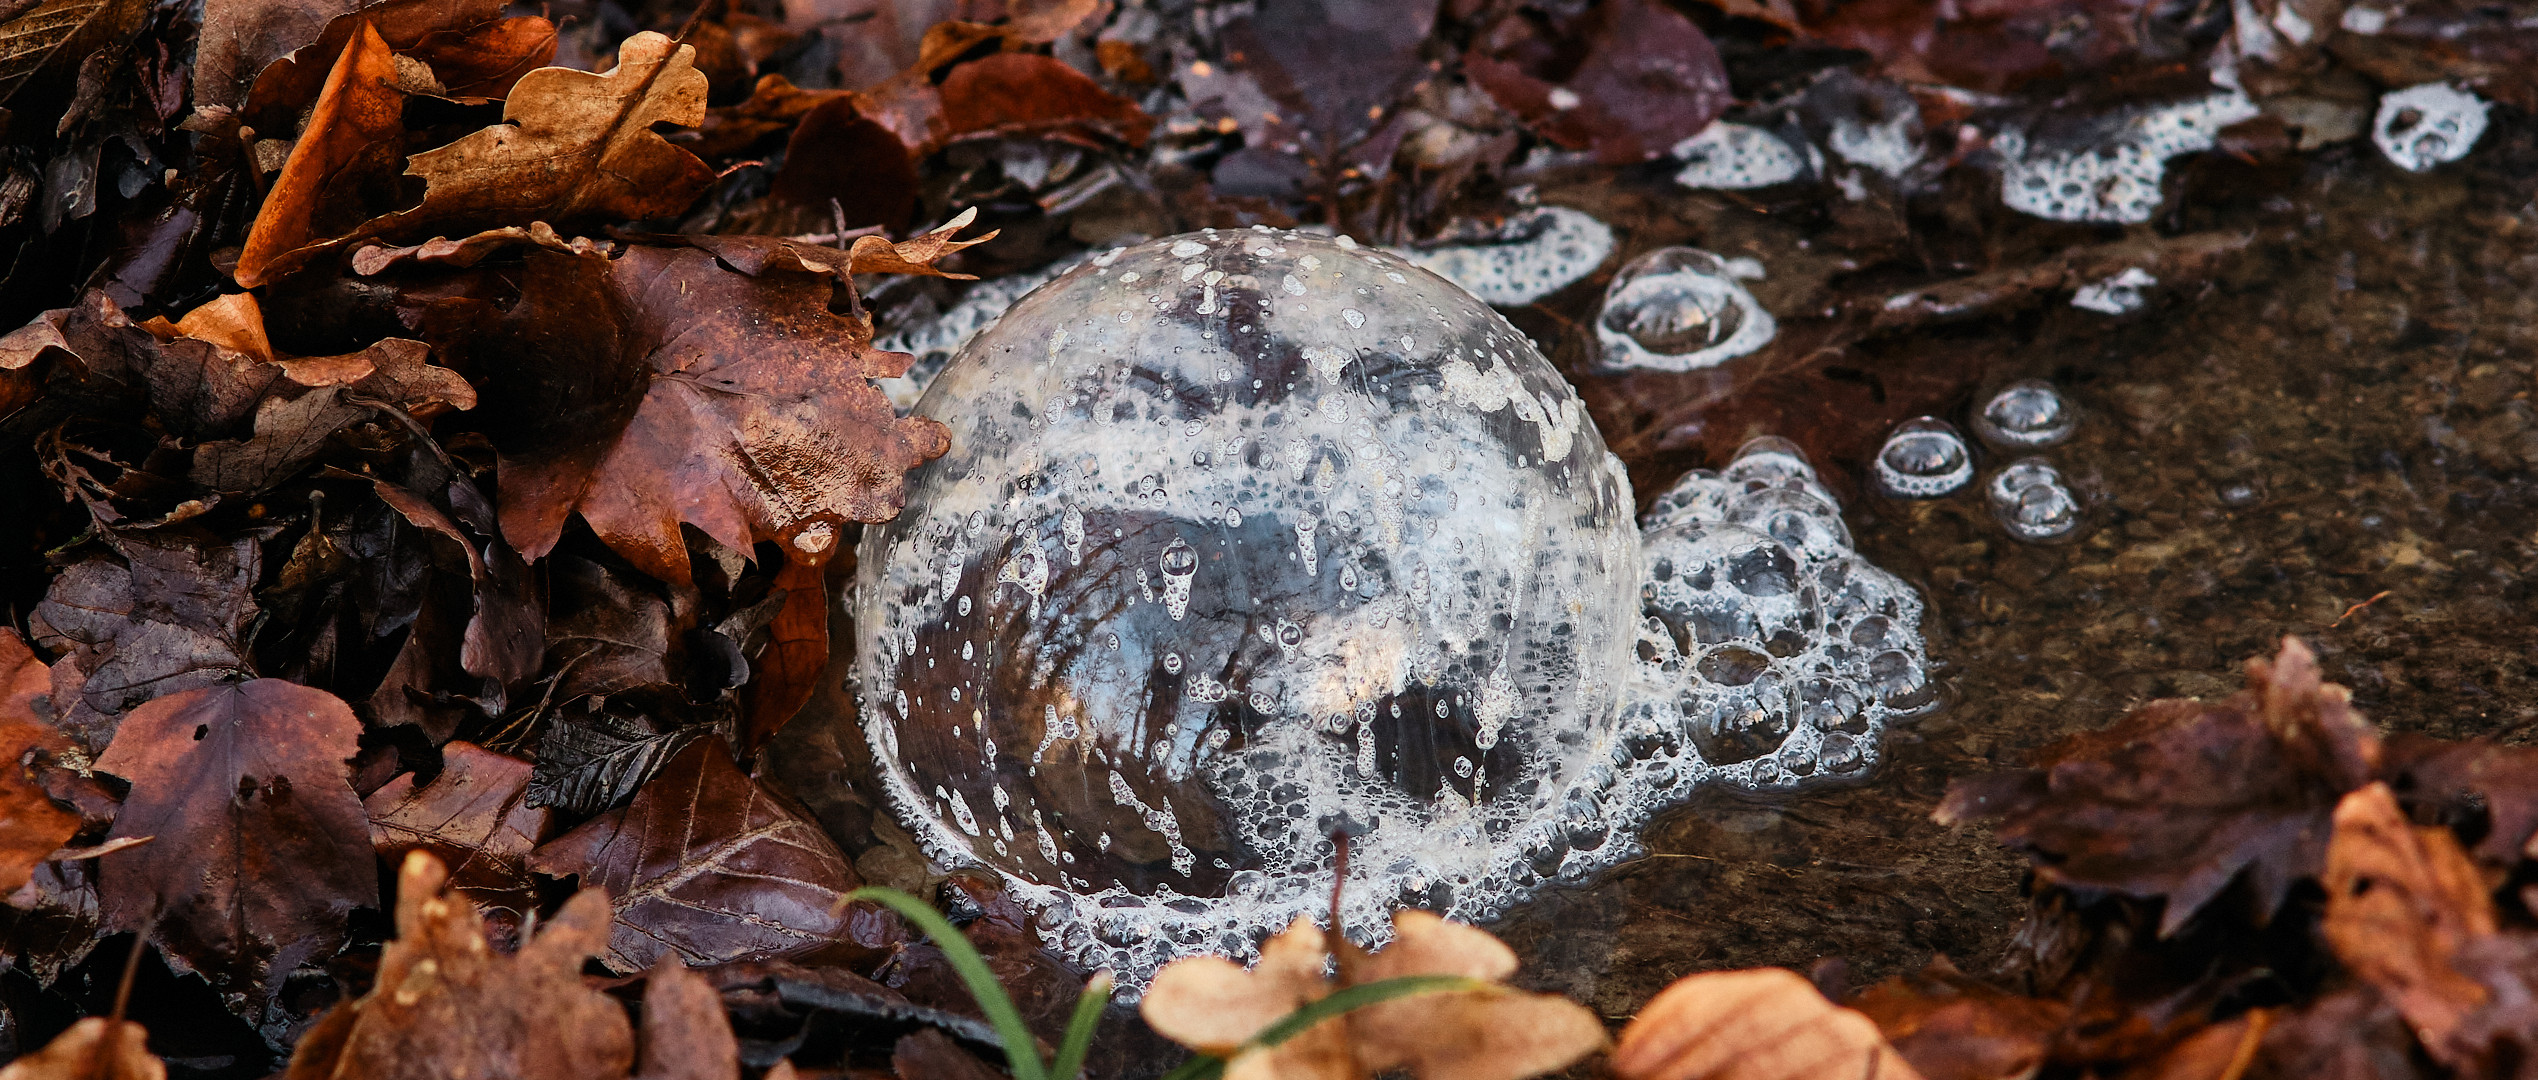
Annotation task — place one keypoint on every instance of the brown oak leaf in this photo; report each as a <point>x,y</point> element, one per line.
<point>662,388</point>
<point>706,866</point>
<point>262,848</point>
<point>447,1005</point>
<point>573,146</point>
<point>2180,797</point>
<point>1758,1024</point>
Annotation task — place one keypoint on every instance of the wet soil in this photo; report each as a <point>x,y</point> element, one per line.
<point>2340,411</point>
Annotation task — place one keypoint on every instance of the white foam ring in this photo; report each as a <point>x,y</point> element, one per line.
<point>2429,124</point>
<point>1475,659</point>
<point>2116,179</point>
<point>1735,157</point>
<point>1540,252</point>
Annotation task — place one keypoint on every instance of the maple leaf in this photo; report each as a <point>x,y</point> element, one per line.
<point>1486,1032</point>
<point>2179,797</point>
<point>707,867</point>
<point>32,825</point>
<point>1758,1024</point>
<point>262,848</point>
<point>662,388</point>
<point>84,1053</point>
<point>447,1005</point>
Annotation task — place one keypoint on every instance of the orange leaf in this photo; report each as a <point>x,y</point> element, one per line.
<point>2401,901</point>
<point>1760,1024</point>
<point>789,669</point>
<point>354,139</point>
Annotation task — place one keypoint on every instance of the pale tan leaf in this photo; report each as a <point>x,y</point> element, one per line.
<point>1761,1024</point>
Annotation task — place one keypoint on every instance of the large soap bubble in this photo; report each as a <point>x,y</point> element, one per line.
<point>1247,538</point>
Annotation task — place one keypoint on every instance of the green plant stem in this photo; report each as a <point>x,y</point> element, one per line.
<point>1022,1055</point>
<point>1079,1028</point>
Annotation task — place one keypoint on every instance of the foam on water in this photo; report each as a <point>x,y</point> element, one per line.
<point>1248,537</point>
<point>1734,157</point>
<point>2425,125</point>
<point>1537,253</point>
<point>2115,176</point>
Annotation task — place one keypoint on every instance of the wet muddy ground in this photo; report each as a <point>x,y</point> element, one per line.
<point>2338,407</point>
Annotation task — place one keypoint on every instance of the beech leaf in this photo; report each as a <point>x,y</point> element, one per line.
<point>1760,1024</point>
<point>474,816</point>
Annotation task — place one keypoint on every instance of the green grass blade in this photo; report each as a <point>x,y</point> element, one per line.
<point>1079,1028</point>
<point>1022,1054</point>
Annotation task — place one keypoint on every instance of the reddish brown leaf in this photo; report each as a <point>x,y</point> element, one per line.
<point>789,670</point>
<point>472,816</point>
<point>1334,67</point>
<point>707,867</point>
<point>1762,1024</point>
<point>2179,797</point>
<point>662,388</point>
<point>1951,1027</point>
<point>2401,904</point>
<point>1016,93</point>
<point>837,152</point>
<point>506,636</point>
<point>2476,784</point>
<point>685,1035</point>
<point>774,105</point>
<point>1625,78</point>
<point>932,1055</point>
<point>32,825</point>
<point>166,618</point>
<point>240,37</point>
<point>446,1005</point>
<point>350,151</point>
<point>473,51</point>
<point>84,1053</point>
<point>262,845</point>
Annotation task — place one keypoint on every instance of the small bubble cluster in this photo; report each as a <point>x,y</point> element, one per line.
<point>2033,502</point>
<point>2118,294</point>
<point>1923,458</point>
<point>1535,254</point>
<point>2113,176</point>
<point>2026,415</point>
<point>1735,157</point>
<point>1680,309</point>
<point>1247,537</point>
<point>2426,125</point>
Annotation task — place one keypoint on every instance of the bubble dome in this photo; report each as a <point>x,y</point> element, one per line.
<point>1248,537</point>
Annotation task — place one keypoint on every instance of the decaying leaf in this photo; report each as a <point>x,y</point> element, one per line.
<point>1626,79</point>
<point>353,145</point>
<point>788,671</point>
<point>87,1052</point>
<point>1760,1024</point>
<point>661,388</point>
<point>166,617</point>
<point>1216,1007</point>
<point>1951,1027</point>
<point>262,848</point>
<point>2402,902</point>
<point>471,49</point>
<point>2180,797</point>
<point>707,867</point>
<point>32,825</point>
<point>447,1005</point>
<point>474,816</point>
<point>685,1035</point>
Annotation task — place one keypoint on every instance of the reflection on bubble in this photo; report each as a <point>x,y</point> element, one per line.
<point>1923,458</point>
<point>1680,309</point>
<point>2032,501</point>
<point>2026,415</point>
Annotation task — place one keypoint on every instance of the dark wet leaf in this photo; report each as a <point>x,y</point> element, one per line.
<point>2479,785</point>
<point>1951,1027</point>
<point>1335,68</point>
<point>1626,79</point>
<point>707,867</point>
<point>788,670</point>
<point>262,848</point>
<point>503,637</point>
<point>932,1055</point>
<point>590,762</point>
<point>474,816</point>
<point>167,617</point>
<point>2180,797</point>
<point>447,1005</point>
<point>662,389</point>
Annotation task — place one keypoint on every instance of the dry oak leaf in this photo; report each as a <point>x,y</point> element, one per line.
<point>447,1005</point>
<point>916,256</point>
<point>32,825</point>
<point>573,146</point>
<point>469,250</point>
<point>2402,902</point>
<point>81,1054</point>
<point>707,867</point>
<point>662,388</point>
<point>1497,1033</point>
<point>2179,797</point>
<point>1759,1024</point>
<point>262,848</point>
